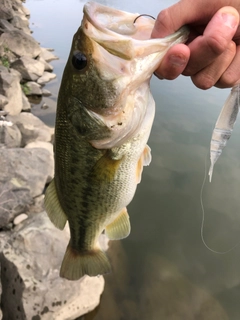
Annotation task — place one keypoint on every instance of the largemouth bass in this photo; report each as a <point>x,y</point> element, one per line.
<point>104,117</point>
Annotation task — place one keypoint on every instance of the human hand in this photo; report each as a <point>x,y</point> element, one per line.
<point>212,55</point>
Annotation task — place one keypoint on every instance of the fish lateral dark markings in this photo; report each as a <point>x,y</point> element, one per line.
<point>105,112</point>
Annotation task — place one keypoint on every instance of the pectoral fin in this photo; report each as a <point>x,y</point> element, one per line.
<point>144,160</point>
<point>105,169</point>
<point>53,207</point>
<point>120,228</point>
<point>147,157</point>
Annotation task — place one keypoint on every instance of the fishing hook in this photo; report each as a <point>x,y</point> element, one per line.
<point>143,15</point>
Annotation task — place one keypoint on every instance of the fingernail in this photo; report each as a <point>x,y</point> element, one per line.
<point>229,20</point>
<point>177,60</point>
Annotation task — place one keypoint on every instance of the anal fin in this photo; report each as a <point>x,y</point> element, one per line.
<point>53,207</point>
<point>120,228</point>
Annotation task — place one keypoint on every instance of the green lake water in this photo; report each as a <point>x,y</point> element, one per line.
<point>163,270</point>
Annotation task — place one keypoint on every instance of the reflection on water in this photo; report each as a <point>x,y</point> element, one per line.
<point>163,270</point>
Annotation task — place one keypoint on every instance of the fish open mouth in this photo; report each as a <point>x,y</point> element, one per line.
<point>110,20</point>
<point>123,32</point>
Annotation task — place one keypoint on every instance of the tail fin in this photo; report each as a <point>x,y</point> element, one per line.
<point>77,264</point>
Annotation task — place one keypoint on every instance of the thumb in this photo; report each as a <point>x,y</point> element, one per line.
<point>184,12</point>
<point>167,21</point>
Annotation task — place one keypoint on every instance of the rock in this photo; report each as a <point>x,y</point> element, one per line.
<point>20,218</point>
<point>43,145</point>
<point>32,288</point>
<point>10,136</point>
<point>7,56</point>
<point>37,206</point>
<point>27,168</point>
<point>25,11</point>
<point>3,114</point>
<point>46,92</point>
<point>3,101</point>
<point>31,128</point>
<point>11,89</point>
<point>6,25</point>
<point>46,77</point>
<point>13,199</point>
<point>20,43</point>
<point>22,23</point>
<point>23,175</point>
<point>33,88</point>
<point>44,106</point>
<point>6,11</point>
<point>26,105</point>
<point>47,55</point>
<point>29,68</point>
<point>47,66</point>
<point>3,69</point>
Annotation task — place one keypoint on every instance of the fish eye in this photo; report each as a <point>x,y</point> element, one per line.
<point>79,60</point>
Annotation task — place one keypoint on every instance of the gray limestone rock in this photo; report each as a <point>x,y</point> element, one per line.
<point>6,10</point>
<point>26,105</point>
<point>31,286</point>
<point>47,55</point>
<point>14,199</point>
<point>25,11</point>
<point>32,128</point>
<point>46,92</point>
<point>29,68</point>
<point>10,87</point>
<point>3,101</point>
<point>20,43</point>
<point>47,66</point>
<point>46,77</point>
<point>7,56</point>
<point>23,175</point>
<point>21,23</point>
<point>43,145</point>
<point>10,136</point>
<point>19,219</point>
<point>5,25</point>
<point>33,88</point>
<point>27,168</point>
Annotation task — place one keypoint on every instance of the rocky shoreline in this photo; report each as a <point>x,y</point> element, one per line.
<point>31,248</point>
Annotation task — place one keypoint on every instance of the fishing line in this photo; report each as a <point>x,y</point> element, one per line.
<point>143,15</point>
<point>202,205</point>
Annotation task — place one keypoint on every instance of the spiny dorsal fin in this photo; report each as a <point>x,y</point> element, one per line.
<point>53,207</point>
<point>120,228</point>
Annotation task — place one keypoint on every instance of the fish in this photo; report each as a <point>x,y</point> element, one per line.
<point>105,112</point>
<point>224,126</point>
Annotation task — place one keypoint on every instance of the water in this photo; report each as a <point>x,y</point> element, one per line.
<point>163,270</point>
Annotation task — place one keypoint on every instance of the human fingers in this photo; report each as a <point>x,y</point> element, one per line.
<point>213,74</point>
<point>173,63</point>
<point>191,12</point>
<point>215,40</point>
<point>231,76</point>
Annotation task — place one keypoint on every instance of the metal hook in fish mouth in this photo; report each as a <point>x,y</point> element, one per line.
<point>143,15</point>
